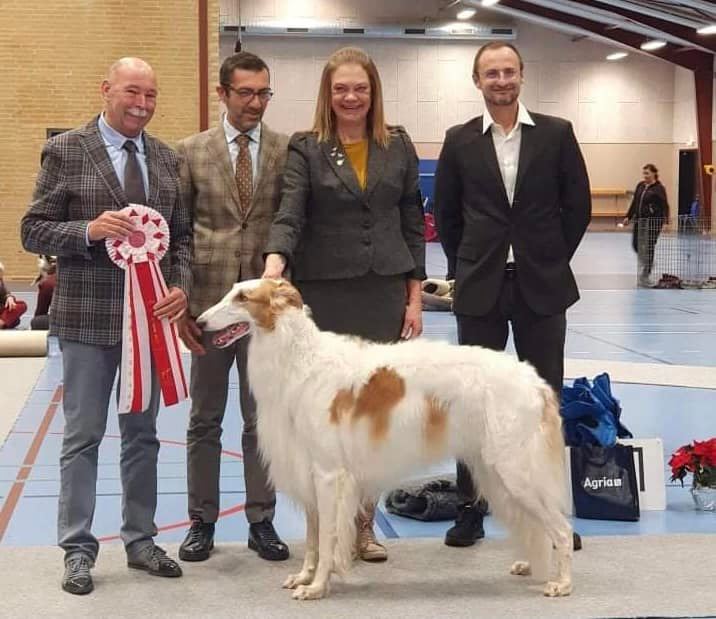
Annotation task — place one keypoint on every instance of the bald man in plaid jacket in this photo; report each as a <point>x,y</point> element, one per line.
<point>82,184</point>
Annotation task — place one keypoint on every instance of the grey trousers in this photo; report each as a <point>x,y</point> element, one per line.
<point>209,390</point>
<point>88,374</point>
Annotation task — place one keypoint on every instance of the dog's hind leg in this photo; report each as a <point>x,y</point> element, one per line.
<point>310,558</point>
<point>332,488</point>
<point>537,519</point>
<point>561,535</point>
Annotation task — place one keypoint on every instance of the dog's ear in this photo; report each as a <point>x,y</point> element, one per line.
<point>286,295</point>
<point>276,294</point>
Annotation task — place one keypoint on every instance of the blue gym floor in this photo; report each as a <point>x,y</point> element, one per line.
<point>613,322</point>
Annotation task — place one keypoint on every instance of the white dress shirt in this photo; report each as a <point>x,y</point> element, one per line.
<point>507,148</point>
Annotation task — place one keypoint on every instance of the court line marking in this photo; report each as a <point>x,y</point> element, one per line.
<point>13,497</point>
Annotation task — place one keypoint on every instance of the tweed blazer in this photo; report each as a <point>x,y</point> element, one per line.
<point>76,183</point>
<point>327,227</point>
<point>228,241</point>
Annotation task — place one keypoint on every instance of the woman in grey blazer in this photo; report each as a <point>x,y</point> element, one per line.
<point>350,223</point>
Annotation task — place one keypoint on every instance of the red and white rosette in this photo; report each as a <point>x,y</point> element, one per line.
<point>143,336</point>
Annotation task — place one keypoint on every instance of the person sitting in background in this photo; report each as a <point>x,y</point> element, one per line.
<point>45,281</point>
<point>10,308</point>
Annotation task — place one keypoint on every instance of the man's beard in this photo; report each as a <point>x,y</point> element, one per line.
<point>503,98</point>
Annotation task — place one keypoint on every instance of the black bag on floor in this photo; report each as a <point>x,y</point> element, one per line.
<point>434,500</point>
<point>604,484</point>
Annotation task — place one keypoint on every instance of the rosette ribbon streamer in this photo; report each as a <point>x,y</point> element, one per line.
<point>145,337</point>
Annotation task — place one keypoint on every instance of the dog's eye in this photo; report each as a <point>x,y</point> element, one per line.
<point>241,297</point>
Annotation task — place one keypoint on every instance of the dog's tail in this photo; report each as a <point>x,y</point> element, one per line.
<point>535,483</point>
<point>551,428</point>
<point>348,503</point>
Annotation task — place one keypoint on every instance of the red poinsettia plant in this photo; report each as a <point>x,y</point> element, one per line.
<point>698,458</point>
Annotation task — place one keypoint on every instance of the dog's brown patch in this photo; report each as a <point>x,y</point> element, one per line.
<point>267,302</point>
<point>342,404</point>
<point>435,428</point>
<point>376,399</point>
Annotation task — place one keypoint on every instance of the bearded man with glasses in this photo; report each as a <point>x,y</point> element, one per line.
<point>230,178</point>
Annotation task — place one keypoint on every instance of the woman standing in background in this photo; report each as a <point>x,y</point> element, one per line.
<point>649,210</point>
<point>350,223</point>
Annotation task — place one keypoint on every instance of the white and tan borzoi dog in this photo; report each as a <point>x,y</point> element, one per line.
<point>341,419</point>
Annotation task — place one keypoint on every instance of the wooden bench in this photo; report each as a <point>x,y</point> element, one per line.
<point>615,211</point>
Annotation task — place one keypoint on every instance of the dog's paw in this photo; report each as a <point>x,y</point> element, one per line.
<point>555,589</point>
<point>520,568</point>
<point>310,592</point>
<point>294,580</point>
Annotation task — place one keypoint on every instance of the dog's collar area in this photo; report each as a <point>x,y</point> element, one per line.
<point>230,334</point>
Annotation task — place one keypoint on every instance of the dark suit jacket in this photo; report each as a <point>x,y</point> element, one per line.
<point>228,241</point>
<point>76,183</point>
<point>329,228</point>
<point>548,217</point>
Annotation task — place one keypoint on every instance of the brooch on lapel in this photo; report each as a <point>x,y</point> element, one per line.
<point>339,156</point>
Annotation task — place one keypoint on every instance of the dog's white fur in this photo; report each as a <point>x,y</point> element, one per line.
<point>341,419</point>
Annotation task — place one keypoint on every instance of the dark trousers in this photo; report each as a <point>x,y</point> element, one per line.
<point>643,240</point>
<point>538,340</point>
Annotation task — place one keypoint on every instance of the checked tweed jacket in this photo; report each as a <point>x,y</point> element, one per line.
<point>76,183</point>
<point>228,242</point>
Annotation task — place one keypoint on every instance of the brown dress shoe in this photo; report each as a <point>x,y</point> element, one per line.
<point>367,546</point>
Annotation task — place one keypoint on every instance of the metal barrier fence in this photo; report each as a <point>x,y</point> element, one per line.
<point>683,256</point>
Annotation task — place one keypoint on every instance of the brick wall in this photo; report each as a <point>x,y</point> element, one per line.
<point>54,55</point>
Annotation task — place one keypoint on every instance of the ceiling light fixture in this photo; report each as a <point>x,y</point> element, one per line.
<point>617,56</point>
<point>466,14</point>
<point>650,46</point>
<point>709,29</point>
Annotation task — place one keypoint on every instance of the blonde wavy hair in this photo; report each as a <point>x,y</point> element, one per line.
<point>324,120</point>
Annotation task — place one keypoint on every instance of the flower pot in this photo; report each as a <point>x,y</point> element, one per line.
<point>704,497</point>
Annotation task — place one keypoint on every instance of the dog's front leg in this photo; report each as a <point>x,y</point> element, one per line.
<point>310,558</point>
<point>326,495</point>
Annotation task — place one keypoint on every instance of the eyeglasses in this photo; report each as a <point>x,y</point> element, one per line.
<point>493,75</point>
<point>247,94</point>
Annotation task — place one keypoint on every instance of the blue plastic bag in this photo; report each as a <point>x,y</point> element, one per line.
<point>591,414</point>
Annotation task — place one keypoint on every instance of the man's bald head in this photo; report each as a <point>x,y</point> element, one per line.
<point>129,63</point>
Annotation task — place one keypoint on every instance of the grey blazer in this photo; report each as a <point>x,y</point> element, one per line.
<point>327,227</point>
<point>76,183</point>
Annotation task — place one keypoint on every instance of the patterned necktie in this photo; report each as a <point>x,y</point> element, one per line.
<point>244,172</point>
<point>133,181</point>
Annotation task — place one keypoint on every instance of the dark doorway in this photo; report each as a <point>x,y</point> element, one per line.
<point>688,183</point>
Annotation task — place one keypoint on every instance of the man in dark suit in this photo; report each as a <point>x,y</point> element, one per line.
<point>512,202</point>
<point>87,176</point>
<point>231,227</point>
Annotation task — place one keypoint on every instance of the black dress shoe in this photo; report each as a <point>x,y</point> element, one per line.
<point>576,541</point>
<point>468,526</point>
<point>77,578</point>
<point>264,540</point>
<point>199,541</point>
<point>155,561</point>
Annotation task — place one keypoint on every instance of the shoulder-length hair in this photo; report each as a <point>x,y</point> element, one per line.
<point>324,120</point>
